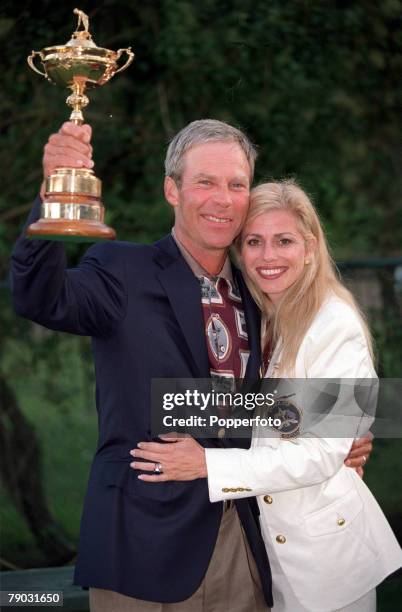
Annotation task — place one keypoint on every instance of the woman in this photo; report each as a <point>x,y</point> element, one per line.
<point>327,540</point>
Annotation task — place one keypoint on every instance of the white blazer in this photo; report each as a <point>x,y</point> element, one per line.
<point>322,527</point>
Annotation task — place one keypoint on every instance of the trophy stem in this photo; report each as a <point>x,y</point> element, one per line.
<point>77,100</point>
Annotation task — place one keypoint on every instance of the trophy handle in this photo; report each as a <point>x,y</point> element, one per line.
<point>30,60</point>
<point>130,57</point>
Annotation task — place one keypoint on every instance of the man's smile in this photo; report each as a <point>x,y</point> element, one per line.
<point>216,219</point>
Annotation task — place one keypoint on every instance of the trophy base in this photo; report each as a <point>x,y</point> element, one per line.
<point>72,209</point>
<point>70,231</point>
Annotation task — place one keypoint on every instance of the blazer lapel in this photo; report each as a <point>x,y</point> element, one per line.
<point>183,291</point>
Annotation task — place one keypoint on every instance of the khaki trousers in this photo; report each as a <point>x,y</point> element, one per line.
<point>231,583</point>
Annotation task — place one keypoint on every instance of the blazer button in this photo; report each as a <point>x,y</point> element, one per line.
<point>341,522</point>
<point>225,490</point>
<point>268,499</point>
<point>221,433</point>
<point>280,539</point>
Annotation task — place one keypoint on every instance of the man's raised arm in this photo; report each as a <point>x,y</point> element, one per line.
<point>87,300</point>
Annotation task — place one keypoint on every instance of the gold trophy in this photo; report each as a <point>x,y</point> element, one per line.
<point>72,207</point>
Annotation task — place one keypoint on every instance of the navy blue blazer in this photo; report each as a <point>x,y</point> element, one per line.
<point>141,305</point>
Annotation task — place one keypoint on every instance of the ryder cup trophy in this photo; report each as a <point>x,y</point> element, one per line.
<point>72,208</point>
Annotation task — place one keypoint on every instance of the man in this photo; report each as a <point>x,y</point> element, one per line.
<point>143,307</point>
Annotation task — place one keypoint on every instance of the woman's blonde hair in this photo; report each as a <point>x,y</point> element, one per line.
<point>289,320</point>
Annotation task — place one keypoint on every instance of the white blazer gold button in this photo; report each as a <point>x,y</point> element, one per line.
<point>268,499</point>
<point>341,522</point>
<point>280,539</point>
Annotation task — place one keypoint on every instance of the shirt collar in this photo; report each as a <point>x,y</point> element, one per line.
<point>197,269</point>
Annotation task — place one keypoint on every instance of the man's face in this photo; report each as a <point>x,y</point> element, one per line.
<point>212,200</point>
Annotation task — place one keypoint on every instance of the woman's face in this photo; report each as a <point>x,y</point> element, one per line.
<point>274,252</point>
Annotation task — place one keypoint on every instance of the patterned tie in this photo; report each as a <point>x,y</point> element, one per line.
<point>225,333</point>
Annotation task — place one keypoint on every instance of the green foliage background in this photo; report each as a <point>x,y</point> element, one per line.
<point>316,84</point>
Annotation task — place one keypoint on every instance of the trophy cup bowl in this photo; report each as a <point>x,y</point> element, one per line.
<point>72,208</point>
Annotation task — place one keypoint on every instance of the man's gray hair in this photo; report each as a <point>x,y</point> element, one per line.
<point>202,131</point>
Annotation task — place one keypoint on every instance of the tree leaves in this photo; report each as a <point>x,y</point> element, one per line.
<point>316,86</point>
